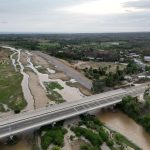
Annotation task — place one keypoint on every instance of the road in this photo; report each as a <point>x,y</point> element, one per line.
<point>35,119</point>
<point>67,70</point>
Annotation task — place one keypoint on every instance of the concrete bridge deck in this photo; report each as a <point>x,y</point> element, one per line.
<point>37,118</point>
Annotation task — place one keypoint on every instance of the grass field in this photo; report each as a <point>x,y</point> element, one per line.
<point>52,94</point>
<point>10,84</point>
<point>111,67</point>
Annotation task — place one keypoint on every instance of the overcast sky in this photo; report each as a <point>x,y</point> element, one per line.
<point>81,16</point>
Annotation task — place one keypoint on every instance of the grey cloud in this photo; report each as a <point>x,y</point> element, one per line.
<point>139,4</point>
<point>34,6</point>
<point>40,16</point>
<point>3,22</point>
<point>82,23</point>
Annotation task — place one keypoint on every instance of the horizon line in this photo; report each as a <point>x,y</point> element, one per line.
<point>74,32</point>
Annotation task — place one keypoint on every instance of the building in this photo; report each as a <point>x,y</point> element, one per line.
<point>101,55</point>
<point>134,55</point>
<point>147,58</point>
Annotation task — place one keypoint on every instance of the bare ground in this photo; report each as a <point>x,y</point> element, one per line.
<point>37,91</point>
<point>61,76</point>
<point>69,71</point>
<point>23,58</point>
<point>82,89</point>
<point>39,61</point>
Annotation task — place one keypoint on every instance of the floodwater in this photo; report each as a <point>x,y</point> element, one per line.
<point>118,121</point>
<point>22,145</point>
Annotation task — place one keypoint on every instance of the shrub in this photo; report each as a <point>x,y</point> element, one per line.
<point>94,138</point>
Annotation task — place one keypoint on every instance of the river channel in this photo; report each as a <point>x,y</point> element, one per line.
<point>117,121</point>
<point>120,122</point>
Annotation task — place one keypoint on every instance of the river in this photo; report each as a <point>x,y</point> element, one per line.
<point>118,121</point>
<point>22,145</point>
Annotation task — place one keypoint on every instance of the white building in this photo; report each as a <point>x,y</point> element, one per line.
<point>147,58</point>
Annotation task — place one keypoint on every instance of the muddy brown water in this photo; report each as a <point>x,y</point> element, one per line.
<point>118,121</point>
<point>22,145</point>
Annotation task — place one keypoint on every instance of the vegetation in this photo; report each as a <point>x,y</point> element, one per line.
<point>94,138</point>
<point>2,109</point>
<point>95,73</point>
<point>56,148</point>
<point>54,85</point>
<point>10,85</point>
<point>113,79</point>
<point>83,46</point>
<point>110,80</point>
<point>12,141</point>
<point>52,135</point>
<point>136,110</point>
<point>147,68</point>
<point>52,94</point>
<point>132,68</point>
<point>96,133</point>
<point>88,147</point>
<point>55,96</point>
<point>121,139</point>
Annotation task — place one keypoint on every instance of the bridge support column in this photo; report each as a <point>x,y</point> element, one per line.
<point>53,124</point>
<point>113,107</point>
<point>87,113</point>
<point>11,140</point>
<point>11,137</point>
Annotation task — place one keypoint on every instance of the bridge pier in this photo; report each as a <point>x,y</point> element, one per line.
<point>53,124</point>
<point>11,140</point>
<point>112,108</point>
<point>23,122</point>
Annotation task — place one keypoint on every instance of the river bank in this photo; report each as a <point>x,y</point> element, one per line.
<point>121,123</point>
<point>34,83</point>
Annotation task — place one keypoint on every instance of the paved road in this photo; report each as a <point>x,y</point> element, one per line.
<point>67,70</point>
<point>34,119</point>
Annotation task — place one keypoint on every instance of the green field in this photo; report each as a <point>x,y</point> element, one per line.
<point>52,94</point>
<point>10,86</point>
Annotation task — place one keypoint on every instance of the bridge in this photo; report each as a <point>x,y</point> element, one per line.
<point>34,119</point>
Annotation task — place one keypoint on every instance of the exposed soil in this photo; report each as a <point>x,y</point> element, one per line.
<point>39,61</point>
<point>61,76</point>
<point>23,58</point>
<point>37,91</point>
